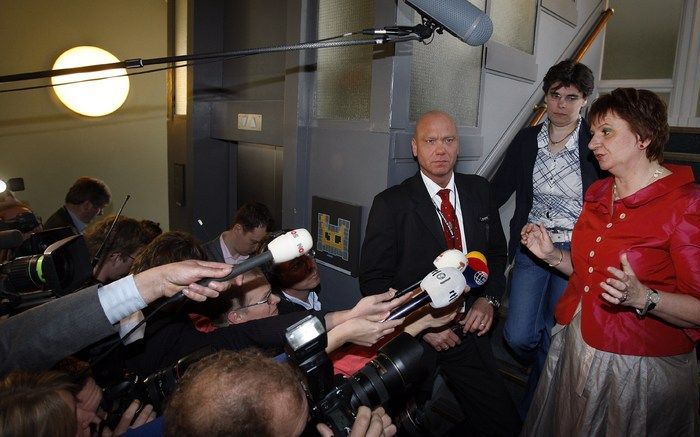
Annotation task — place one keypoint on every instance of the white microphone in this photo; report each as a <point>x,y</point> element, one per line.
<point>441,287</point>
<point>449,258</point>
<point>284,248</point>
<point>459,17</point>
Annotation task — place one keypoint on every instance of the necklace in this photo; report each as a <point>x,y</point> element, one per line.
<point>567,135</point>
<point>654,175</point>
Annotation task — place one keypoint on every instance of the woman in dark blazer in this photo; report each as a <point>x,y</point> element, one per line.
<point>549,167</point>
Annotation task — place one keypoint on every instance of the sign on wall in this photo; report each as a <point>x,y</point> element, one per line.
<point>336,231</point>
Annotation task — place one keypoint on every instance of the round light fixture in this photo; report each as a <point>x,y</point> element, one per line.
<point>93,98</point>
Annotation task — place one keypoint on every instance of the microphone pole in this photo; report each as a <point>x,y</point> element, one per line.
<point>383,38</point>
<point>96,259</point>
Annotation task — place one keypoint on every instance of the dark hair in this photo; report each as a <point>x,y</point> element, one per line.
<point>288,273</point>
<point>87,188</point>
<point>127,237</point>
<point>167,248</point>
<point>254,215</point>
<point>234,394</point>
<point>568,73</point>
<point>643,110</point>
<point>151,228</point>
<point>31,404</point>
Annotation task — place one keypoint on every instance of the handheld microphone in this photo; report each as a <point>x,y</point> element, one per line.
<point>459,17</point>
<point>284,248</point>
<point>449,258</point>
<point>476,272</point>
<point>441,287</point>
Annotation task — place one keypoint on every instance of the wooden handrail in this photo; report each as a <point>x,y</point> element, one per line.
<point>541,109</point>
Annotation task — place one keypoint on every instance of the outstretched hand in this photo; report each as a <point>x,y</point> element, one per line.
<point>378,305</point>
<point>169,279</point>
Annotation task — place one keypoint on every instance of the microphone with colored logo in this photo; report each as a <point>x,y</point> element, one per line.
<point>449,258</point>
<point>476,272</point>
<point>441,287</point>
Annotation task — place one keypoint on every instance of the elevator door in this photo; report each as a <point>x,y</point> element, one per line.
<point>259,174</point>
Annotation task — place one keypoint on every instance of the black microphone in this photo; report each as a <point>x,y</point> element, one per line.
<point>284,248</point>
<point>459,17</point>
<point>442,287</point>
<point>10,239</point>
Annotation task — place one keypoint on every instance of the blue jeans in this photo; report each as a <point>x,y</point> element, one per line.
<point>535,290</point>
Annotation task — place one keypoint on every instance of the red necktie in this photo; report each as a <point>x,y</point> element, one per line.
<point>450,225</point>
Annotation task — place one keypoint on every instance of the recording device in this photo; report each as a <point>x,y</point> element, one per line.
<point>440,288</point>
<point>60,269</point>
<point>476,272</point>
<point>459,17</point>
<point>286,247</point>
<point>449,258</point>
<point>154,389</point>
<point>335,402</point>
<point>40,241</point>
<point>23,222</point>
<point>10,239</point>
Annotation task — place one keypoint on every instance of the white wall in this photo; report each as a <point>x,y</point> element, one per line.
<point>50,146</point>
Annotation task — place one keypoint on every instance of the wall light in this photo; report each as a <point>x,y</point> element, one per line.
<point>93,98</point>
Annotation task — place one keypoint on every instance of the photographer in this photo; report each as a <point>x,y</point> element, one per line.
<point>246,393</point>
<point>39,337</point>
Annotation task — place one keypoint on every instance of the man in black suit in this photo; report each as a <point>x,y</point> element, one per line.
<point>409,225</point>
<point>85,200</point>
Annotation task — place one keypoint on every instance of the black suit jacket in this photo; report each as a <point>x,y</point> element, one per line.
<point>515,174</point>
<point>404,235</point>
<point>213,250</point>
<point>59,219</point>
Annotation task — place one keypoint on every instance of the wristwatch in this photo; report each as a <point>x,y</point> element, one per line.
<point>653,298</point>
<point>493,301</point>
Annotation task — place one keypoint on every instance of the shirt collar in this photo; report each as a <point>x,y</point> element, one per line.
<point>79,225</point>
<point>433,188</point>
<point>230,258</point>
<point>543,136</point>
<point>311,304</point>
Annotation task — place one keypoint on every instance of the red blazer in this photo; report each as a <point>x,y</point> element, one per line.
<point>659,228</point>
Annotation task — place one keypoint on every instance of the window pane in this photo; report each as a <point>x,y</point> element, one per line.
<point>446,75</point>
<point>640,39</point>
<point>344,74</point>
<point>514,23</point>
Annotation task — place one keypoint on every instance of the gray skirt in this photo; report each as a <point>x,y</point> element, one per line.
<point>587,392</point>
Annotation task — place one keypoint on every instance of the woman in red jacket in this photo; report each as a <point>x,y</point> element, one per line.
<point>622,359</point>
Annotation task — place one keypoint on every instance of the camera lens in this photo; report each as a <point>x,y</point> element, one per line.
<point>25,273</point>
<point>396,366</point>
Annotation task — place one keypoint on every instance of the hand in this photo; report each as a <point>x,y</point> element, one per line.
<point>379,305</point>
<point>367,331</point>
<point>442,340</point>
<point>479,318</point>
<point>623,288</point>
<point>132,418</point>
<point>367,424</point>
<point>169,279</point>
<point>536,238</point>
<point>432,318</point>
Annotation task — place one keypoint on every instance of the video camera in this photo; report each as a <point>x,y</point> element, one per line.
<point>23,222</point>
<point>154,389</point>
<point>335,400</point>
<point>61,269</point>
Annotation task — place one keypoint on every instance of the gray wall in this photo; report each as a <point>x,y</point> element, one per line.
<point>349,161</point>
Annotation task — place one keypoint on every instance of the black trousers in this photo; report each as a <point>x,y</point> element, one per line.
<point>470,371</point>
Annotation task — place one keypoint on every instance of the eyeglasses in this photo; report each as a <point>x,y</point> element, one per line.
<point>569,98</point>
<point>264,301</point>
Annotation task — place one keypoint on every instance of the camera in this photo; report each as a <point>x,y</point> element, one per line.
<point>61,269</point>
<point>334,402</point>
<point>24,222</point>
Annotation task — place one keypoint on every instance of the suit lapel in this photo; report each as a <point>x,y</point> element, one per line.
<point>469,217</point>
<point>425,209</point>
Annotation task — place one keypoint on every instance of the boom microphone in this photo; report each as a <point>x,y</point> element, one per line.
<point>459,17</point>
<point>441,287</point>
<point>477,272</point>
